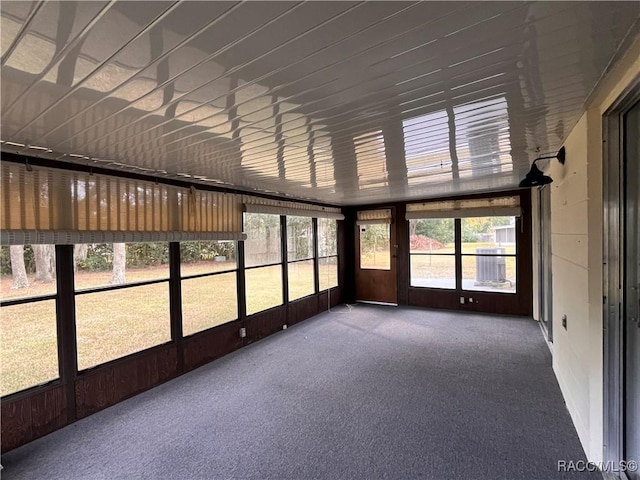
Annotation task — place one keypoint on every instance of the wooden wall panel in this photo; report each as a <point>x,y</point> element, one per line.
<point>114,382</point>
<point>302,309</point>
<point>48,411</point>
<point>16,423</point>
<point>336,297</point>
<point>206,346</point>
<point>431,298</point>
<point>30,417</point>
<point>265,323</point>
<point>499,303</point>
<point>95,392</point>
<point>323,301</point>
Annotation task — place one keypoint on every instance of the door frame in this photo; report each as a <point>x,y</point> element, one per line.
<point>545,278</point>
<point>393,260</point>
<point>613,271</point>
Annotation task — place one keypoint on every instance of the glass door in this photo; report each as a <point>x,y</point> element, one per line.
<point>631,302</point>
<point>376,257</point>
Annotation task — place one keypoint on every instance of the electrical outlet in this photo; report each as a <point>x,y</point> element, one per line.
<point>564,321</point>
<point>243,332</point>
<point>462,300</point>
<point>470,299</point>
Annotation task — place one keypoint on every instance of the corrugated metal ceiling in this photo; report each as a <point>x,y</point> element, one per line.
<point>341,102</point>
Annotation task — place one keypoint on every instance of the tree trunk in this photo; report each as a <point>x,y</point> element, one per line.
<point>45,262</point>
<point>79,254</point>
<point>119,263</point>
<point>18,272</point>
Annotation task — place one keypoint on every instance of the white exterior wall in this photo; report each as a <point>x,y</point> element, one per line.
<point>576,231</point>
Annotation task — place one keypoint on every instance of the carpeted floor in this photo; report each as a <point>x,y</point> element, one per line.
<point>362,392</point>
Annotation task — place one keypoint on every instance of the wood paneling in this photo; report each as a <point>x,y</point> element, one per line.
<point>95,392</point>
<point>265,323</point>
<point>336,297</point>
<point>501,303</point>
<point>206,346</point>
<point>323,301</point>
<point>114,382</point>
<point>302,309</point>
<point>329,298</point>
<point>16,423</point>
<point>48,411</point>
<point>432,298</point>
<point>27,418</point>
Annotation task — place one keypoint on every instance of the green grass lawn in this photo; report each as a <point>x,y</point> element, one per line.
<point>120,322</point>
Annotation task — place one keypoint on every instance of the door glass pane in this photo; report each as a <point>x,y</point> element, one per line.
<point>375,251</point>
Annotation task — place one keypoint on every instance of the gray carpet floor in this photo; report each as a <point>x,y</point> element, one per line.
<point>362,392</point>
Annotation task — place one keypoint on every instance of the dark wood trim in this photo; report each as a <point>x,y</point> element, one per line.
<point>66,325</point>
<point>457,233</point>
<point>347,255</point>
<point>241,285</point>
<point>284,259</point>
<point>316,260</point>
<point>175,301</point>
<point>402,252</point>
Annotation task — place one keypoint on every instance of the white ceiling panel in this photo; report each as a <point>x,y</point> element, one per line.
<point>340,102</point>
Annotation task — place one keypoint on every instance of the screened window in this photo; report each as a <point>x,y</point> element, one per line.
<point>485,248</point>
<point>209,284</point>
<point>432,252</point>
<point>327,253</point>
<point>29,346</point>
<point>263,268</point>
<point>300,265</point>
<point>488,249</point>
<point>122,300</point>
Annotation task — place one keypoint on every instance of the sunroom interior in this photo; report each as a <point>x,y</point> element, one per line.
<point>183,179</point>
